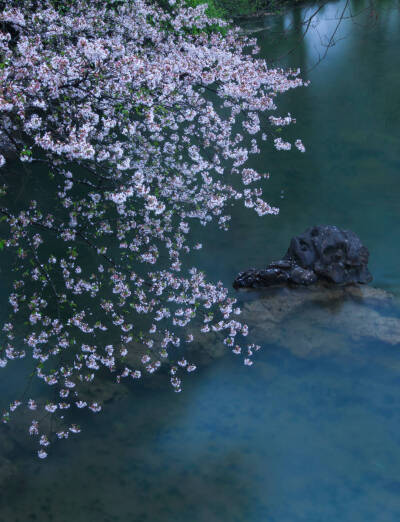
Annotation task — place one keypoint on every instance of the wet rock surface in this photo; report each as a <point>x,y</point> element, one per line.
<point>321,253</point>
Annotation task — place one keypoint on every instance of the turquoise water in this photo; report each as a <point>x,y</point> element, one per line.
<point>311,431</point>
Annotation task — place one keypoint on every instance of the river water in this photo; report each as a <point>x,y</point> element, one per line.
<point>311,432</point>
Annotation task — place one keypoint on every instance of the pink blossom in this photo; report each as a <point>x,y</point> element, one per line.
<point>138,155</point>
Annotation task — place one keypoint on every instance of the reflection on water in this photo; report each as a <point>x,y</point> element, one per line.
<point>311,431</point>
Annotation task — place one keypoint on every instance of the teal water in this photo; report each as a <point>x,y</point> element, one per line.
<point>310,433</point>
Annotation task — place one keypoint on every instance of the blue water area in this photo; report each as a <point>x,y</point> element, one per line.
<point>310,432</point>
<point>286,440</point>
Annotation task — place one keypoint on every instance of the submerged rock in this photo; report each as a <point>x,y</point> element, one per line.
<point>321,253</point>
<point>323,319</point>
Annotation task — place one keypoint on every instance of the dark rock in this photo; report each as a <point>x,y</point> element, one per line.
<point>258,278</point>
<point>281,264</point>
<point>273,275</point>
<point>333,254</point>
<point>322,252</point>
<point>301,276</point>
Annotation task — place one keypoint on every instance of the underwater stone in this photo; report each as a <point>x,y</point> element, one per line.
<point>319,320</point>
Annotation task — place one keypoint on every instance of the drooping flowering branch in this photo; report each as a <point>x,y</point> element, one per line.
<point>144,120</point>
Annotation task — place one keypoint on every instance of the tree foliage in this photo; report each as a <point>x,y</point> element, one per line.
<point>142,118</point>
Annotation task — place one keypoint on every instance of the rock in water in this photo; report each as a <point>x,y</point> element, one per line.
<point>321,253</point>
<point>321,320</point>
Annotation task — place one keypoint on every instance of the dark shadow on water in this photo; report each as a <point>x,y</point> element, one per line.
<point>133,464</point>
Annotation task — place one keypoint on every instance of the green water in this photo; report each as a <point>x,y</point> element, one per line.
<point>311,432</point>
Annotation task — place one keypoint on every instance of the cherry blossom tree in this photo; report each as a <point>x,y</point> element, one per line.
<point>143,118</point>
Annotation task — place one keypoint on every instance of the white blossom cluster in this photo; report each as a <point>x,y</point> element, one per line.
<point>135,112</point>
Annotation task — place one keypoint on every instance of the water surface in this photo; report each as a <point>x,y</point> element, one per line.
<point>304,435</point>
